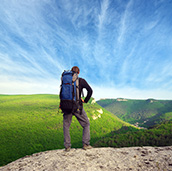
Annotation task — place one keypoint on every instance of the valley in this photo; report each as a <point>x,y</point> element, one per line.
<point>140,113</point>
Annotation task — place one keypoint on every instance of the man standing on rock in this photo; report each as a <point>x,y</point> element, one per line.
<point>80,115</point>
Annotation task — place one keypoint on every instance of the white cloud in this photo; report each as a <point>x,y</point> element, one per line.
<point>124,21</point>
<point>130,93</point>
<point>30,86</point>
<point>111,41</point>
<point>102,16</point>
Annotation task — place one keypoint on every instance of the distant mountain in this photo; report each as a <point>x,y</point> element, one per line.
<point>143,113</point>
<point>33,123</point>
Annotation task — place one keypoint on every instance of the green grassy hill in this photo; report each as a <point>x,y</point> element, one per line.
<point>158,135</point>
<point>143,113</point>
<point>33,123</point>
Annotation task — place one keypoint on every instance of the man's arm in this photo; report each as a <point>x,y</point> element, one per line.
<point>89,90</point>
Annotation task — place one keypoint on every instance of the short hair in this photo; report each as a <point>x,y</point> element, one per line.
<point>75,69</point>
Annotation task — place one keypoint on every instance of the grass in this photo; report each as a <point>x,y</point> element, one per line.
<point>33,123</point>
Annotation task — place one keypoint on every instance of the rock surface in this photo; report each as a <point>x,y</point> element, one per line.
<point>97,159</point>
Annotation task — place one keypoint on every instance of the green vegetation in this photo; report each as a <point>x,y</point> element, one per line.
<point>143,113</point>
<point>158,135</point>
<point>33,123</point>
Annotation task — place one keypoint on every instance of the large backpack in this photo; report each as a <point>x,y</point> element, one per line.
<point>69,93</point>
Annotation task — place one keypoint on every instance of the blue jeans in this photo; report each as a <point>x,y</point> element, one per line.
<point>84,122</point>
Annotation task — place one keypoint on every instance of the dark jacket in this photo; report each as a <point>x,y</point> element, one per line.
<point>83,84</point>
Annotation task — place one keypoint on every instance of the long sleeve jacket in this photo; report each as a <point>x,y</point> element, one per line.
<point>83,84</point>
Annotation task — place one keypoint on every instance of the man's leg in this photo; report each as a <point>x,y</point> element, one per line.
<point>83,120</point>
<point>67,119</point>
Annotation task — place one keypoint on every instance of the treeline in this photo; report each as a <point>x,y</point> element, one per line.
<point>159,135</point>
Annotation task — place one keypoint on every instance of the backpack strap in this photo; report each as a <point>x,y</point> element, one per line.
<point>76,78</point>
<point>77,90</point>
<point>77,95</point>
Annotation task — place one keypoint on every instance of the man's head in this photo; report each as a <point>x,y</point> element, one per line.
<point>75,69</point>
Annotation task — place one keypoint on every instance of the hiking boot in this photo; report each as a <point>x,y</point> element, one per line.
<point>67,149</point>
<point>85,147</point>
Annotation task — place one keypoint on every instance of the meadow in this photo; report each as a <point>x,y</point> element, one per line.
<point>34,123</point>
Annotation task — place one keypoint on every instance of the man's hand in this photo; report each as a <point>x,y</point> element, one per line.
<point>59,110</point>
<point>59,107</point>
<point>82,100</point>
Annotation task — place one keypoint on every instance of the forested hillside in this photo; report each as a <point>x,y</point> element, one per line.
<point>144,113</point>
<point>158,135</point>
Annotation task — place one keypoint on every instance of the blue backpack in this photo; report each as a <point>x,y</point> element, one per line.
<point>69,93</point>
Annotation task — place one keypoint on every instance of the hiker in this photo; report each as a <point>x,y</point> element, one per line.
<point>80,114</point>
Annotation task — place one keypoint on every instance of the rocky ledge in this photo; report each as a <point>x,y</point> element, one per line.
<point>97,159</point>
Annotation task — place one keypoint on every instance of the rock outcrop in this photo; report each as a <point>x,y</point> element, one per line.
<point>97,159</point>
<point>121,100</point>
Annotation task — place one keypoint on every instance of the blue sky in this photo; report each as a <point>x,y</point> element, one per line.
<point>122,47</point>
